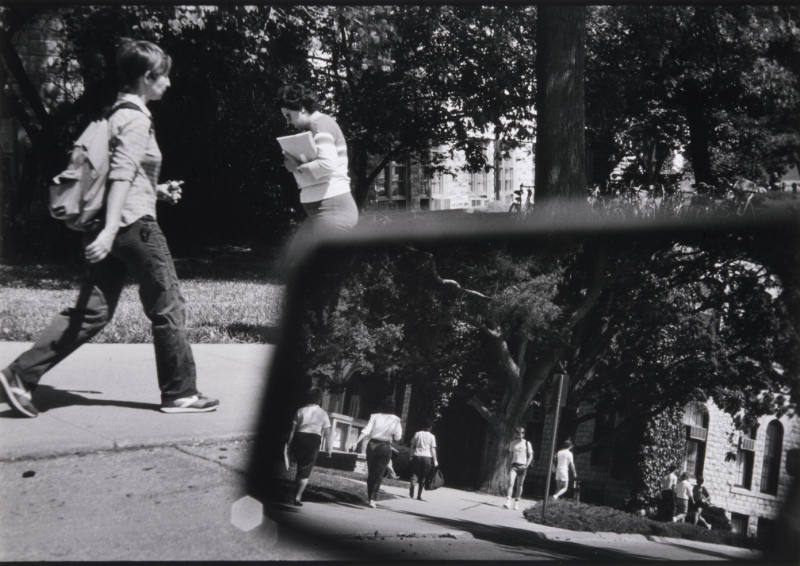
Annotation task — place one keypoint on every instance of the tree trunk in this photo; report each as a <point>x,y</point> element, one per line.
<point>699,153</point>
<point>498,160</point>
<point>560,136</point>
<point>358,170</point>
<point>494,463</point>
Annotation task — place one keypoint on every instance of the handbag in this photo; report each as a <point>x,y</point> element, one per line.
<point>434,480</point>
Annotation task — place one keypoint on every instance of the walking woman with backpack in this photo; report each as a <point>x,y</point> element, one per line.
<point>128,241</point>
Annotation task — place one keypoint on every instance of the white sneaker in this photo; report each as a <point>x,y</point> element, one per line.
<point>372,504</point>
<point>195,404</point>
<point>515,505</point>
<point>507,504</point>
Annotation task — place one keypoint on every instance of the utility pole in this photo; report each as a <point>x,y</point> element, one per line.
<point>561,400</point>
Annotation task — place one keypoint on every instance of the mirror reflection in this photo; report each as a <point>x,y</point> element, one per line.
<point>597,380</point>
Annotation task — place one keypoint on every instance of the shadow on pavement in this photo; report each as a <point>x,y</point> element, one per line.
<point>699,550</point>
<point>514,537</point>
<point>262,334</point>
<point>46,397</point>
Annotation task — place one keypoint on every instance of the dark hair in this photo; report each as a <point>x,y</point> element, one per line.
<point>386,405</point>
<point>566,444</point>
<point>297,97</point>
<point>135,58</point>
<point>683,476</point>
<point>314,396</point>
<point>699,480</point>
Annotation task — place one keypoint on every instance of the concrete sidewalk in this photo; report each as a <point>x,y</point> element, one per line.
<point>105,396</point>
<point>456,514</point>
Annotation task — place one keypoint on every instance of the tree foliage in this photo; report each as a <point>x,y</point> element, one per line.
<point>720,82</point>
<point>639,326</point>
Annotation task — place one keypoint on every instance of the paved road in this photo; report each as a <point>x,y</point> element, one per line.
<point>101,475</point>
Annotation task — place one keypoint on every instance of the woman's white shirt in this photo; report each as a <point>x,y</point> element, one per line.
<point>383,426</point>
<point>312,419</point>
<point>563,461</point>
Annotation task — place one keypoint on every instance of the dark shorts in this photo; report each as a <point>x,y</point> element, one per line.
<point>681,505</point>
<point>305,447</point>
<point>421,467</point>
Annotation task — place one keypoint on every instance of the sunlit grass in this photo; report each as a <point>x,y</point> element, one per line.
<point>240,309</point>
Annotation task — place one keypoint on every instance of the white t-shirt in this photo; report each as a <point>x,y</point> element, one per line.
<point>383,426</point>
<point>423,444</point>
<point>563,461</point>
<point>520,449</point>
<point>312,419</point>
<point>683,490</point>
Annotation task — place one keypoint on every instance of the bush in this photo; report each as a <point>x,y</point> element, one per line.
<point>576,516</point>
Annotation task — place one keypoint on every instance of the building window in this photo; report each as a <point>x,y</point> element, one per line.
<point>479,183</point>
<point>745,458</point>
<point>739,523</point>
<point>771,464</point>
<point>399,180</point>
<point>766,529</point>
<point>695,418</point>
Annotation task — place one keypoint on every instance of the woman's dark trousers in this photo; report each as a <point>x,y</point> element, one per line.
<point>141,250</point>
<point>379,452</point>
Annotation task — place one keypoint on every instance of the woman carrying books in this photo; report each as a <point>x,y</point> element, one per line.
<point>323,180</point>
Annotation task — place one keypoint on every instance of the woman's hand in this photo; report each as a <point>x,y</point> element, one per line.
<point>100,247</point>
<point>290,162</point>
<point>170,191</point>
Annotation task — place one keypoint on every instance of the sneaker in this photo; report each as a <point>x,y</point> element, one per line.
<point>516,506</point>
<point>372,504</point>
<point>17,395</point>
<point>507,504</point>
<point>298,503</point>
<point>194,404</point>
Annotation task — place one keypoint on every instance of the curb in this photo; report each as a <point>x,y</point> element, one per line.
<point>123,446</point>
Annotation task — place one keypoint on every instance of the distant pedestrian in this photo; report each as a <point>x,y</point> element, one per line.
<point>683,495</point>
<point>565,467</point>
<point>129,241</point>
<point>667,502</point>
<point>701,499</point>
<point>423,458</point>
<point>323,181</point>
<point>310,424</point>
<point>520,458</point>
<point>382,429</point>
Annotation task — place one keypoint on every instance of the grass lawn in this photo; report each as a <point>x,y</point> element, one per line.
<point>575,516</point>
<point>230,298</point>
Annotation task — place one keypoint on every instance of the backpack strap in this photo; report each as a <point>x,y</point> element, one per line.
<point>127,105</point>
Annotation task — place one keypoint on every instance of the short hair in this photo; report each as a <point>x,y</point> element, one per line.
<point>566,444</point>
<point>137,57</point>
<point>386,405</point>
<point>684,476</point>
<point>314,396</point>
<point>297,97</point>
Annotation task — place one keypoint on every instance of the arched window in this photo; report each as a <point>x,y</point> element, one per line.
<point>771,464</point>
<point>745,457</point>
<point>695,417</point>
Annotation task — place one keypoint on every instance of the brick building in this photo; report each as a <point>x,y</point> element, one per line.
<point>745,472</point>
